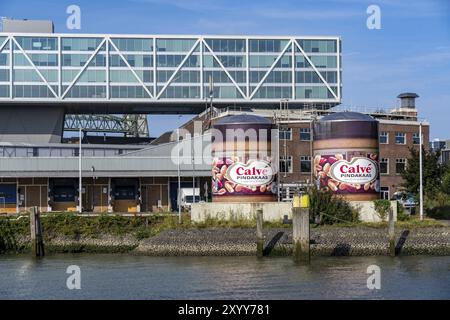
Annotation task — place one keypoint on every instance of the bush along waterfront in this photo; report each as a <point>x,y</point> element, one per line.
<point>330,209</point>
<point>436,182</point>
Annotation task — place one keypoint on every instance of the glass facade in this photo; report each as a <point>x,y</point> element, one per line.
<point>241,69</point>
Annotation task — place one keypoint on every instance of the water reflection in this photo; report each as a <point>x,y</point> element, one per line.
<point>138,277</point>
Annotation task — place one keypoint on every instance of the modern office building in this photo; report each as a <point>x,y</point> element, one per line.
<point>51,81</point>
<point>67,73</point>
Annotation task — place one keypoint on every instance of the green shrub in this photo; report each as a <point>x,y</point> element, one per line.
<point>401,214</point>
<point>330,208</point>
<point>382,207</point>
<point>442,212</point>
<point>7,236</point>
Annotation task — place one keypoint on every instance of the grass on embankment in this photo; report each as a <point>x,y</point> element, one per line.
<point>73,227</point>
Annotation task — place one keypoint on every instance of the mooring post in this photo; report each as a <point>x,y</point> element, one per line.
<point>300,232</point>
<point>391,232</point>
<point>37,242</point>
<point>259,233</point>
<point>33,231</point>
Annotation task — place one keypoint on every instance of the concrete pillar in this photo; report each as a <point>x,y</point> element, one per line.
<point>31,124</point>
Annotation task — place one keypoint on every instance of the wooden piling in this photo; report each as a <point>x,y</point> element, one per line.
<point>391,233</point>
<point>33,232</point>
<point>37,241</point>
<point>300,235</point>
<point>259,233</point>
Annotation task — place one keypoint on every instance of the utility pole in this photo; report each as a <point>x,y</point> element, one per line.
<point>193,166</point>
<point>179,178</point>
<point>80,192</point>
<point>420,172</point>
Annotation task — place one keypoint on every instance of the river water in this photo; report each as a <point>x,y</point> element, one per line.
<point>140,277</point>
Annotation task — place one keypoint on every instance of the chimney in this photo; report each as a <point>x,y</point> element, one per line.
<point>408,100</point>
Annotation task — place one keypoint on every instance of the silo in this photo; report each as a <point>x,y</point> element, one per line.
<point>345,146</point>
<point>242,168</point>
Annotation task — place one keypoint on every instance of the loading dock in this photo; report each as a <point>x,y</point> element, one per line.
<point>32,192</point>
<point>155,194</point>
<point>8,197</point>
<point>63,194</point>
<point>125,195</point>
<point>95,194</point>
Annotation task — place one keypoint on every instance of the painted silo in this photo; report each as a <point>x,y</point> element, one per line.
<point>345,146</point>
<point>242,169</point>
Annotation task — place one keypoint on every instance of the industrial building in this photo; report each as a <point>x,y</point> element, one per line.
<point>51,83</point>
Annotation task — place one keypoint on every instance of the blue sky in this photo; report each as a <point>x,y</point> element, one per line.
<point>411,51</point>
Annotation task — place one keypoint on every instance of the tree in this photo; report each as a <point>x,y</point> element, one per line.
<point>446,181</point>
<point>432,173</point>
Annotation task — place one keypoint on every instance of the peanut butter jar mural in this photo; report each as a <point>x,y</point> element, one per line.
<point>346,155</point>
<point>243,168</point>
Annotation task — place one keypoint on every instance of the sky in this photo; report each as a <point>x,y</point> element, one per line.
<point>409,53</point>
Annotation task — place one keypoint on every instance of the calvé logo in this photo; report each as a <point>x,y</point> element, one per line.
<point>253,173</point>
<point>358,171</point>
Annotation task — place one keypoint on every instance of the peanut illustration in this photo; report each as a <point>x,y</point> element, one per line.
<point>332,185</point>
<point>229,186</point>
<point>326,168</point>
<point>343,186</point>
<point>317,160</point>
<point>332,160</point>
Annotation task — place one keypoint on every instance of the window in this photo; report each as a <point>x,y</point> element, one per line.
<point>400,138</point>
<point>285,133</point>
<point>286,164</point>
<point>305,164</point>
<point>305,134</point>
<point>384,193</point>
<point>384,166</point>
<point>416,138</point>
<point>384,137</point>
<point>400,165</point>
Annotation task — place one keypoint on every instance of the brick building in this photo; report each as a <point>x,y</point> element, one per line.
<point>398,129</point>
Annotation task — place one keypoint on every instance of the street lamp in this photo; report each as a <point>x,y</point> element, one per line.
<point>179,178</point>
<point>420,172</point>
<point>80,192</point>
<point>93,188</point>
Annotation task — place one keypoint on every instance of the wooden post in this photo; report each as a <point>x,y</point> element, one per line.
<point>37,242</point>
<point>33,231</point>
<point>391,232</point>
<point>259,233</point>
<point>300,235</point>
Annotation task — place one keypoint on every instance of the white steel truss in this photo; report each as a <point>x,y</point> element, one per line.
<point>225,70</point>
<point>246,89</point>
<point>34,67</point>
<point>84,67</point>
<point>315,69</point>
<point>178,68</point>
<point>271,68</point>
<point>129,67</point>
